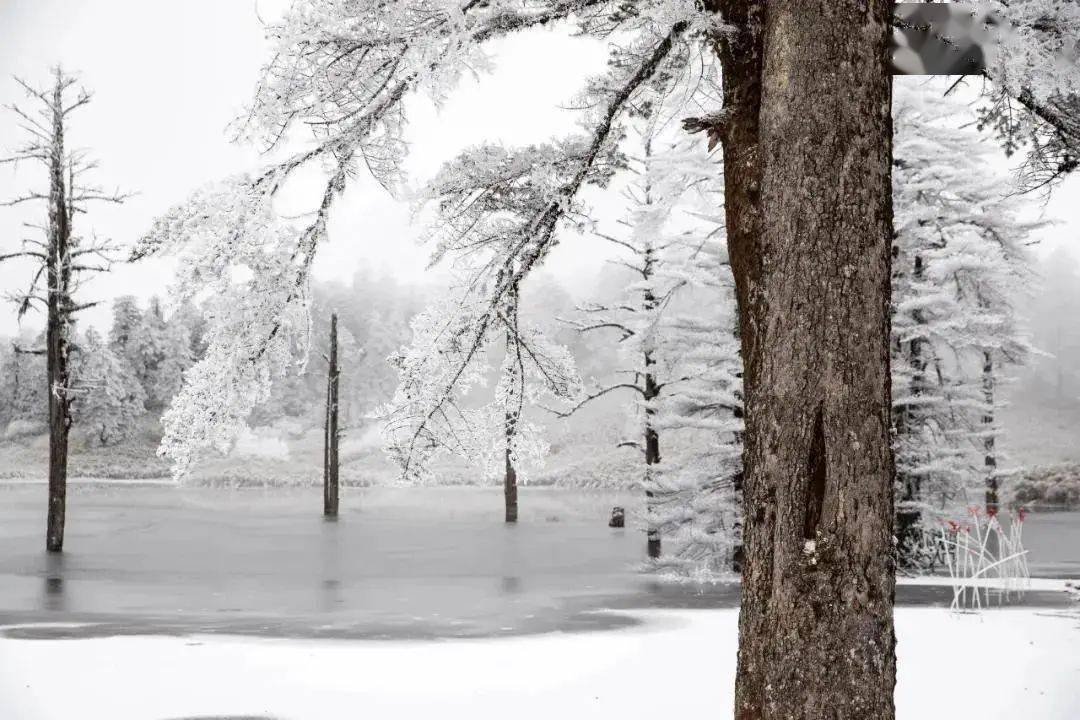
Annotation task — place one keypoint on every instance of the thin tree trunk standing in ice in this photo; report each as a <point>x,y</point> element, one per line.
<point>990,453</point>
<point>510,478</point>
<point>514,390</point>
<point>807,142</point>
<point>58,325</point>
<point>331,435</point>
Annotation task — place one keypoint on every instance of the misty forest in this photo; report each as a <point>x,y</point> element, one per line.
<point>741,382</point>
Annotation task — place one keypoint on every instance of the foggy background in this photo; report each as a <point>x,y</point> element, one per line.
<point>169,77</point>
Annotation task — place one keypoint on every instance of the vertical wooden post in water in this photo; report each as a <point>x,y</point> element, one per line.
<point>330,454</point>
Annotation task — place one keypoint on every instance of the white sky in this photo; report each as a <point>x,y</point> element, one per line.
<point>168,76</point>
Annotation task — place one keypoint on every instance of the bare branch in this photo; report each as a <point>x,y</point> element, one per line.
<point>23,199</point>
<point>593,396</point>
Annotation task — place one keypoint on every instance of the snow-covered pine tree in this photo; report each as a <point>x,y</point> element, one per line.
<point>959,266</point>
<point>701,496</point>
<point>162,350</point>
<point>158,350</point>
<point>672,322</point>
<point>1033,88</point>
<point>23,393</point>
<point>109,398</point>
<point>126,324</point>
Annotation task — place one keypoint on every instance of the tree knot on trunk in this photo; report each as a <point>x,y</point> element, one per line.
<point>713,125</point>
<point>817,474</point>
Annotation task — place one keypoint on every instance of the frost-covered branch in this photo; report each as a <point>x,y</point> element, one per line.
<point>1033,87</point>
<point>341,70</point>
<point>499,211</point>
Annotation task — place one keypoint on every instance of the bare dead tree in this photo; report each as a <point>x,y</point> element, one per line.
<point>60,261</point>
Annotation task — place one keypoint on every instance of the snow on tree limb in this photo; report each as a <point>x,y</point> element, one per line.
<point>340,68</point>
<point>959,267</point>
<point>506,207</point>
<point>1034,87</point>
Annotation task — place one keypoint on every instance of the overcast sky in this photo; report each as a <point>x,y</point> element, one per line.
<point>169,76</point>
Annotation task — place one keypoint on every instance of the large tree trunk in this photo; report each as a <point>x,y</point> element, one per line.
<point>57,326</point>
<point>809,226</point>
<point>59,426</point>
<point>331,435</point>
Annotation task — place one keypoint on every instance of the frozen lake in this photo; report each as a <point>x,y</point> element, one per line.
<point>399,563</point>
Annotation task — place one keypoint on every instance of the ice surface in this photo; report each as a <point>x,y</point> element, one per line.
<point>399,563</point>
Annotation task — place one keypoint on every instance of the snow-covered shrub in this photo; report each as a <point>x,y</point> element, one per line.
<point>1056,487</point>
<point>17,429</point>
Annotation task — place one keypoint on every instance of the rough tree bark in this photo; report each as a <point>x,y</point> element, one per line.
<point>58,325</point>
<point>510,501</point>
<point>807,148</point>
<point>331,434</point>
<point>990,453</point>
<point>513,409</point>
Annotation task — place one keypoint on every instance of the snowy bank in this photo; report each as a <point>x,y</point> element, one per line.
<point>1001,664</point>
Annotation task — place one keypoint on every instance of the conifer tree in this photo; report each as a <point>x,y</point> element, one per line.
<point>109,398</point>
<point>959,269</point>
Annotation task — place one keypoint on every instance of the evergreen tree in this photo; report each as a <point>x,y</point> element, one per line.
<point>167,352</point>
<point>23,393</point>
<point>127,321</point>
<point>108,396</point>
<point>701,491</point>
<point>959,266</point>
<point>673,325</point>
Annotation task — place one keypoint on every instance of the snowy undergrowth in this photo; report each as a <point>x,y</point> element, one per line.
<point>945,662</point>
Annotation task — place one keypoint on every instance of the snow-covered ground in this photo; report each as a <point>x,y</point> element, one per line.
<point>1011,663</point>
